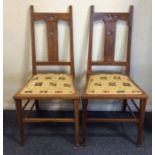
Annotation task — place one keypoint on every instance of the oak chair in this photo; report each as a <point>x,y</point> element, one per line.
<point>112,85</point>
<point>49,86</point>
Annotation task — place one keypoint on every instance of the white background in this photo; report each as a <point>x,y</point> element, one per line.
<point>17,51</point>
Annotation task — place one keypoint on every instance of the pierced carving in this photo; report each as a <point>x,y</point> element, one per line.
<point>110,17</point>
<point>115,16</point>
<point>51,18</point>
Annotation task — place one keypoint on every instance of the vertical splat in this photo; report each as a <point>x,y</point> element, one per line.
<point>109,45</point>
<point>52,37</point>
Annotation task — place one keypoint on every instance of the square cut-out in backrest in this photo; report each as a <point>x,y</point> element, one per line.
<point>112,55</point>
<point>49,30</point>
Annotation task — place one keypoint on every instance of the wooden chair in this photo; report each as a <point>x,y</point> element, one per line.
<point>51,85</point>
<point>108,85</point>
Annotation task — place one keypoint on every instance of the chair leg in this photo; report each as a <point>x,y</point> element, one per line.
<point>141,121</point>
<point>76,122</point>
<point>124,105</point>
<point>36,102</point>
<point>18,104</point>
<point>84,120</point>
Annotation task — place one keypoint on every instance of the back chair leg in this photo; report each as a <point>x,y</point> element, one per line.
<point>36,102</point>
<point>124,104</point>
<point>141,121</point>
<point>84,120</point>
<point>76,122</point>
<point>18,104</point>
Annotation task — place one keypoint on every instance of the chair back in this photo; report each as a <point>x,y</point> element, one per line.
<point>110,21</point>
<point>51,20</point>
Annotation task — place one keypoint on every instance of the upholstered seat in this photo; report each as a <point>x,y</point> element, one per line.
<point>49,84</point>
<point>111,84</point>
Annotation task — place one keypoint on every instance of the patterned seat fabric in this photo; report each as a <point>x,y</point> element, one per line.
<point>111,84</point>
<point>49,84</point>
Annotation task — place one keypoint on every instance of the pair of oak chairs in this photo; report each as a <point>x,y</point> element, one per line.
<point>50,86</point>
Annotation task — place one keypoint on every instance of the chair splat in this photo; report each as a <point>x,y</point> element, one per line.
<point>52,37</point>
<point>109,45</point>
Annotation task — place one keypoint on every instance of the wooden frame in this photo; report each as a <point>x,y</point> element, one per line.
<point>110,20</point>
<point>51,20</point>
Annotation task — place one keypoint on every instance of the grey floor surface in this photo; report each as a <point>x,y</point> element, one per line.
<point>58,139</point>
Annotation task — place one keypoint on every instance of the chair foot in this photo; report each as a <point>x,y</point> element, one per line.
<point>141,122</point>
<point>138,145</point>
<point>83,143</point>
<point>22,143</point>
<point>84,121</point>
<point>76,123</point>
<point>18,104</point>
<point>77,145</point>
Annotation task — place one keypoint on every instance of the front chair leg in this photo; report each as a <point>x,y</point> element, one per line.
<point>141,121</point>
<point>76,122</point>
<point>84,120</point>
<point>18,104</point>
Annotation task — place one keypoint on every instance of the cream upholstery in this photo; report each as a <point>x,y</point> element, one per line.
<point>49,84</point>
<point>111,84</point>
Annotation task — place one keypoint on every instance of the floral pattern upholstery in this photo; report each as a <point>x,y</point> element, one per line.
<point>111,84</point>
<point>49,84</point>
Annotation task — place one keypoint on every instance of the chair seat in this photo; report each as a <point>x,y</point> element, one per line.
<point>111,84</point>
<point>49,84</point>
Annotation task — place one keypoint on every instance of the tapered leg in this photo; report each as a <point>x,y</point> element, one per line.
<point>141,121</point>
<point>18,104</point>
<point>124,104</point>
<point>36,102</point>
<point>76,122</point>
<point>84,120</point>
